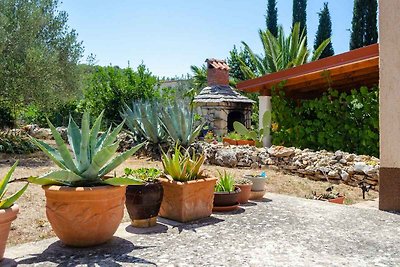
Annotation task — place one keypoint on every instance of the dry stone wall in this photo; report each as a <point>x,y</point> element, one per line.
<point>337,167</point>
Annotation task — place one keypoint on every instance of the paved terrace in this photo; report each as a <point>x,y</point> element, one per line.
<point>278,231</point>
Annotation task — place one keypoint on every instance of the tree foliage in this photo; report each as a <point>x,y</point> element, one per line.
<point>324,31</point>
<point>39,54</point>
<point>300,15</point>
<point>364,24</point>
<point>271,18</point>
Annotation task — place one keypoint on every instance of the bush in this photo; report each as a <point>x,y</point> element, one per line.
<point>335,121</point>
<point>16,143</point>
<point>7,119</point>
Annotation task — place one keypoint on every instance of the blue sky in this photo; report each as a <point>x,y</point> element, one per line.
<point>169,36</point>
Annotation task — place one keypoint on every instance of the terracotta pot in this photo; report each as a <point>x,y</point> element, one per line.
<point>246,142</point>
<point>143,203</point>
<point>222,199</point>
<point>6,218</point>
<point>187,201</point>
<point>84,216</point>
<point>258,182</point>
<point>244,195</point>
<point>338,200</point>
<point>229,141</point>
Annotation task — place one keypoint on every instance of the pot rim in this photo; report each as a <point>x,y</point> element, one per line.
<point>79,188</point>
<point>250,176</point>
<point>244,184</point>
<point>236,191</point>
<point>14,209</point>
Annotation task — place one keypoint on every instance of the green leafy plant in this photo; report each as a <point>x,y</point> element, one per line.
<point>6,202</point>
<point>16,143</point>
<point>209,137</point>
<point>178,120</point>
<point>234,136</point>
<point>93,156</point>
<point>225,183</point>
<point>182,167</point>
<point>142,118</point>
<point>256,135</point>
<point>144,174</point>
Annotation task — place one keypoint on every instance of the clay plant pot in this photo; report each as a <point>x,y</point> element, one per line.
<point>244,195</point>
<point>222,199</point>
<point>84,216</point>
<point>258,182</point>
<point>143,203</point>
<point>246,142</point>
<point>6,218</point>
<point>338,200</point>
<point>229,141</point>
<point>187,201</point>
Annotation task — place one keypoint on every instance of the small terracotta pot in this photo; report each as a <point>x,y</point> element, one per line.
<point>258,182</point>
<point>246,142</point>
<point>222,199</point>
<point>229,141</point>
<point>244,195</point>
<point>187,201</point>
<point>84,216</point>
<point>338,200</point>
<point>6,218</point>
<point>143,203</point>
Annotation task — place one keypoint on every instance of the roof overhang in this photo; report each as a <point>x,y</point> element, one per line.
<point>345,71</point>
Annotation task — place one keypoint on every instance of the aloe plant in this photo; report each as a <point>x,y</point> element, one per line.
<point>226,183</point>
<point>178,120</point>
<point>93,155</point>
<point>142,118</point>
<point>182,166</point>
<point>6,203</point>
<point>255,135</point>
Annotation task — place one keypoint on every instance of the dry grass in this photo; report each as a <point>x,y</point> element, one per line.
<point>32,225</point>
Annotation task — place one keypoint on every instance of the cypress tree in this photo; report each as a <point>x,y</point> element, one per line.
<point>364,29</point>
<point>324,31</point>
<point>272,17</point>
<point>300,15</point>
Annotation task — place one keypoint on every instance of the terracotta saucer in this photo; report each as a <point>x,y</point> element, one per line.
<point>225,208</point>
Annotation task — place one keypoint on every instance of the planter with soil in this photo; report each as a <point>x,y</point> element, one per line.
<point>226,195</point>
<point>258,182</point>
<point>229,141</point>
<point>329,195</point>
<point>245,190</point>
<point>246,142</point>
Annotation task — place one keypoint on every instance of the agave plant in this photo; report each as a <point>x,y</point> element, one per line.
<point>280,52</point>
<point>178,120</point>
<point>226,183</point>
<point>5,203</point>
<point>182,166</point>
<point>93,155</point>
<point>143,118</point>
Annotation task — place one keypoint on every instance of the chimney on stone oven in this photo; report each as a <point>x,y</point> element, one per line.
<point>217,72</point>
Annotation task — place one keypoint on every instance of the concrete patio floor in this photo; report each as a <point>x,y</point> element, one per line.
<point>277,231</point>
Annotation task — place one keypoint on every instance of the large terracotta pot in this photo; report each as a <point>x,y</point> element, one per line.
<point>84,216</point>
<point>187,201</point>
<point>258,182</point>
<point>229,141</point>
<point>6,218</point>
<point>244,195</point>
<point>143,203</point>
<point>222,199</point>
<point>246,142</point>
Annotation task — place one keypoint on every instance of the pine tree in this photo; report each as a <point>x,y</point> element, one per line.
<point>324,31</point>
<point>272,17</point>
<point>364,24</point>
<point>300,15</point>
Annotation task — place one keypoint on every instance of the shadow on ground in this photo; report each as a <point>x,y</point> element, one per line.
<point>191,226</point>
<point>157,229</point>
<point>110,254</point>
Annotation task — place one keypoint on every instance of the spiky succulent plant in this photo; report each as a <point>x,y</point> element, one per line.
<point>93,155</point>
<point>6,202</point>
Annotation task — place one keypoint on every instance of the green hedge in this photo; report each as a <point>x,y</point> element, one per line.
<point>335,121</point>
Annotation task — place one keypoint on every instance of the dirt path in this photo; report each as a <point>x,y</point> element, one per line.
<point>32,225</point>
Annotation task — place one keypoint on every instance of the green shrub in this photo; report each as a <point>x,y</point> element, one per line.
<point>335,121</point>
<point>16,143</point>
<point>7,119</point>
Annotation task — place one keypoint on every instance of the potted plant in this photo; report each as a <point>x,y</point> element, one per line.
<point>258,181</point>
<point>188,194</point>
<point>245,189</point>
<point>143,201</point>
<point>330,195</point>
<point>8,209</point>
<point>245,140</point>
<point>231,138</point>
<point>209,137</point>
<point>226,194</point>
<point>83,205</point>
<point>257,136</point>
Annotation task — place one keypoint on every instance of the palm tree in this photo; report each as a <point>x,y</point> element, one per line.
<point>199,76</point>
<point>280,52</point>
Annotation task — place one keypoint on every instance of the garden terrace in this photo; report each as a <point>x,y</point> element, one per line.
<point>343,72</point>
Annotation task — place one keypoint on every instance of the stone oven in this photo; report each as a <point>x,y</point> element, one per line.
<point>218,103</point>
